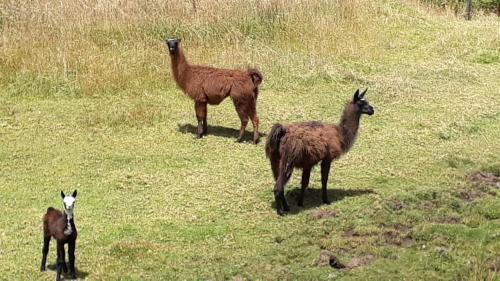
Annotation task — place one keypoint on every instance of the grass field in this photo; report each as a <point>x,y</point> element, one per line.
<point>87,102</point>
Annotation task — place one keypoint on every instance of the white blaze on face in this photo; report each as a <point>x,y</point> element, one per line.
<point>69,202</point>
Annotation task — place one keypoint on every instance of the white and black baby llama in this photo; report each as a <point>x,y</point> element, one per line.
<point>62,227</point>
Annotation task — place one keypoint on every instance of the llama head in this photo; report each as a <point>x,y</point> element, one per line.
<point>69,202</point>
<point>173,45</point>
<point>363,106</point>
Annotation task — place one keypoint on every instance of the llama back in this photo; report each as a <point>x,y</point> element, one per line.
<point>308,143</point>
<point>54,223</point>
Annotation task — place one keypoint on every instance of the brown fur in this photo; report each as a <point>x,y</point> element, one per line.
<point>304,145</point>
<point>208,85</point>
<point>54,223</point>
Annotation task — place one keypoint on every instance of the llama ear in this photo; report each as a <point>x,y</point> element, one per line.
<point>62,195</point>
<point>74,194</point>
<point>362,95</point>
<point>356,95</point>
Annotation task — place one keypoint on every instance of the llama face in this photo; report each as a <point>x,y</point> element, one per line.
<point>363,105</point>
<point>173,45</point>
<point>69,201</point>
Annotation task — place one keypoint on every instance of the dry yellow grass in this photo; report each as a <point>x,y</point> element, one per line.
<point>104,46</point>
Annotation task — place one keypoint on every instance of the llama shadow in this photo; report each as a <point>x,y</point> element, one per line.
<point>312,197</point>
<point>218,131</point>
<point>66,276</point>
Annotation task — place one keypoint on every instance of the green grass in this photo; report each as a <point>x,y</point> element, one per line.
<point>92,106</point>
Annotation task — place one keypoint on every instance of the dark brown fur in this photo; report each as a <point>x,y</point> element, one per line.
<point>304,145</point>
<point>54,223</point>
<point>208,85</point>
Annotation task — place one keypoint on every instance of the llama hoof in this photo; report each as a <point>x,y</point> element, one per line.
<point>281,213</point>
<point>239,139</point>
<point>327,202</point>
<point>256,141</point>
<point>73,276</point>
<point>42,269</point>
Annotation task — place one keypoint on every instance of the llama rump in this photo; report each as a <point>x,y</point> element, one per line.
<point>303,145</point>
<point>208,85</point>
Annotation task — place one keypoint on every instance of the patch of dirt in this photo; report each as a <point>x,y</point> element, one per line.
<point>407,241</point>
<point>396,205</point>
<point>484,178</point>
<point>469,195</point>
<point>402,227</point>
<point>395,238</point>
<point>320,214</point>
<point>327,258</point>
<point>350,232</point>
<point>449,220</point>
<point>429,205</point>
<point>360,261</point>
<point>495,265</point>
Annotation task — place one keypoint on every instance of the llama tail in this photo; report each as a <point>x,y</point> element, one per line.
<point>256,76</point>
<point>273,141</point>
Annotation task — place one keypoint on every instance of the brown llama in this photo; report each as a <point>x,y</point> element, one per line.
<point>209,85</point>
<point>303,145</point>
<point>62,227</point>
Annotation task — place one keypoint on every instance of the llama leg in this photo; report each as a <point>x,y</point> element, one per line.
<point>45,251</point>
<point>71,254</point>
<point>205,123</point>
<point>275,166</point>
<point>325,170</point>
<point>279,189</point>
<point>306,173</point>
<point>255,123</point>
<point>60,259</point>
<point>200,109</point>
<point>243,118</point>
<point>63,258</point>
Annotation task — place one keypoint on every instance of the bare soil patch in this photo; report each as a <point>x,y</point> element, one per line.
<point>360,261</point>
<point>484,178</point>
<point>320,214</point>
<point>396,238</point>
<point>327,258</point>
<point>495,264</point>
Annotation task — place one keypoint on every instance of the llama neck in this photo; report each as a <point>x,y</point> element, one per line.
<point>180,67</point>
<point>349,124</point>
<point>68,230</point>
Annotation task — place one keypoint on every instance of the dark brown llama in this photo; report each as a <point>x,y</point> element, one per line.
<point>62,227</point>
<point>208,85</point>
<point>303,145</point>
